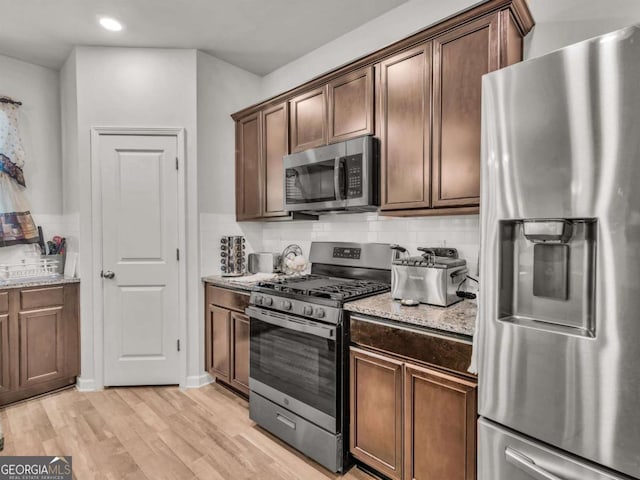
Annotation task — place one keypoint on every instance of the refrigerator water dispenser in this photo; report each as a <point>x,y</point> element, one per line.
<point>547,271</point>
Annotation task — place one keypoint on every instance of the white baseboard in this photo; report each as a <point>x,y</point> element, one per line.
<point>197,381</point>
<point>86,384</point>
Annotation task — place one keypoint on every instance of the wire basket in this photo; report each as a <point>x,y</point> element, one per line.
<point>29,268</point>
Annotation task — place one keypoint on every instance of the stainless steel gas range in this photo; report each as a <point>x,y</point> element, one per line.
<point>299,347</point>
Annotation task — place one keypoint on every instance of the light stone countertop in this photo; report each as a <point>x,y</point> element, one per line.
<point>245,282</point>
<point>36,282</point>
<point>459,318</point>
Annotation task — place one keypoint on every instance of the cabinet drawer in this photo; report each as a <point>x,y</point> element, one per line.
<point>41,297</point>
<point>313,441</point>
<point>226,298</point>
<point>439,350</point>
<point>4,302</point>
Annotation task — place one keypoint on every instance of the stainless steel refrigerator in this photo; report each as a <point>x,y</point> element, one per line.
<point>559,330</point>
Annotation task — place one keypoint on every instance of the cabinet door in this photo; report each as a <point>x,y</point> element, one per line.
<point>351,105</point>
<point>240,348</point>
<point>275,146</point>
<point>404,129</point>
<point>71,330</point>
<point>41,334</point>
<point>461,57</point>
<point>440,425</point>
<point>249,167</point>
<point>5,375</point>
<point>308,125</point>
<point>376,412</point>
<point>219,326</point>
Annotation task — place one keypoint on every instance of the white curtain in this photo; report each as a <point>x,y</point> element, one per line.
<point>16,224</point>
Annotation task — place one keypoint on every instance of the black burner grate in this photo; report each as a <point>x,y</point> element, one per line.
<point>325,287</point>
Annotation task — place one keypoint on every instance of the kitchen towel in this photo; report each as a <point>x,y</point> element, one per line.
<point>16,224</point>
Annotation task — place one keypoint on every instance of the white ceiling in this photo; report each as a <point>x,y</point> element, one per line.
<point>257,35</point>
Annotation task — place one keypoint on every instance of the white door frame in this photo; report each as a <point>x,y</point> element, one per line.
<point>96,233</point>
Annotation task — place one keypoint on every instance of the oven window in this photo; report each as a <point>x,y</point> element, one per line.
<point>311,183</point>
<point>299,365</point>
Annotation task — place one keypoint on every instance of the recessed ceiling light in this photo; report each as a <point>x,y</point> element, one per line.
<point>111,24</point>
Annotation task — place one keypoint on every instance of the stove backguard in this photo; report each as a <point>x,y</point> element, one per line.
<point>547,274</point>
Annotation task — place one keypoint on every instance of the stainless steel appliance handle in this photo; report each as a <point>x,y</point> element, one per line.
<point>458,273</point>
<point>287,421</point>
<point>336,177</point>
<point>527,465</point>
<point>292,323</point>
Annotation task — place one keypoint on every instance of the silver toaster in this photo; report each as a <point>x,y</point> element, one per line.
<point>264,262</point>
<point>431,278</point>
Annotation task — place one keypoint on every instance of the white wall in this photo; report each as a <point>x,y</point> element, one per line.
<point>39,122</point>
<point>130,87</point>
<point>38,90</point>
<point>222,89</point>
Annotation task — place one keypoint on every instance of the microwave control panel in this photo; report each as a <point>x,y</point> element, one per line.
<point>353,165</point>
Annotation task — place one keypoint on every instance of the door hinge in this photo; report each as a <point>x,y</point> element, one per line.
<point>178,254</point>
<point>177,163</point>
<point>178,344</point>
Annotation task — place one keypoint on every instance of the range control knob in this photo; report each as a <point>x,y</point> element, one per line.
<point>320,313</point>
<point>258,299</point>
<point>268,301</point>
<point>307,310</point>
<point>286,305</point>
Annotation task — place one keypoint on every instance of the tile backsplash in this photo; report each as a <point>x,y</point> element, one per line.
<point>461,232</point>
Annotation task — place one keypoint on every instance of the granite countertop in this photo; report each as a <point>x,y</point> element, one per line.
<point>459,318</point>
<point>245,282</point>
<point>36,282</point>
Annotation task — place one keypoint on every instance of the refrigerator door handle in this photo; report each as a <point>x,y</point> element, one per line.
<point>527,465</point>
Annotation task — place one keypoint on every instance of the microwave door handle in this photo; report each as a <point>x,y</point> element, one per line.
<point>336,178</point>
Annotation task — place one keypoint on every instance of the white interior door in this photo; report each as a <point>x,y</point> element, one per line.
<point>139,245</point>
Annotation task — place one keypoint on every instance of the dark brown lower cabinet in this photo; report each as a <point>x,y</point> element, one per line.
<point>240,352</point>
<point>5,379</point>
<point>227,337</point>
<point>220,342</point>
<point>411,422</point>
<point>376,412</point>
<point>39,340</point>
<point>440,425</point>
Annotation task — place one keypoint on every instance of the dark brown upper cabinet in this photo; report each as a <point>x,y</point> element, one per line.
<point>249,167</point>
<point>351,105</point>
<point>275,140</point>
<point>337,111</point>
<point>405,128</point>
<point>308,123</point>
<point>461,57</point>
<point>39,340</point>
<point>421,96</point>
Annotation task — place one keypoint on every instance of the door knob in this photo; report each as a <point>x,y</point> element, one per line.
<point>108,274</point>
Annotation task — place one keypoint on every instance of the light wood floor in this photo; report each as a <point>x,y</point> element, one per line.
<point>155,433</point>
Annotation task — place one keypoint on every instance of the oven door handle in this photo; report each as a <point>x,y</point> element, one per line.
<point>292,323</point>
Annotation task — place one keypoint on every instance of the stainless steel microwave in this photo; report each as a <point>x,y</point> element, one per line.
<point>338,177</point>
